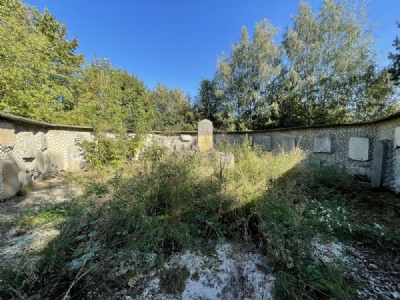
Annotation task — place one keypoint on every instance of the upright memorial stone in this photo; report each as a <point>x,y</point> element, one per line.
<point>205,135</point>
<point>378,163</point>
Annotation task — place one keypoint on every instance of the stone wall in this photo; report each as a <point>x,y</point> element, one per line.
<point>350,145</point>
<point>30,149</point>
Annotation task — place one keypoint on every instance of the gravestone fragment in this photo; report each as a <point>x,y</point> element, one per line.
<point>53,161</point>
<point>288,144</point>
<point>378,163</point>
<point>205,135</point>
<point>359,148</point>
<point>7,135</point>
<point>186,137</point>
<point>43,141</point>
<point>11,184</point>
<point>323,145</point>
<point>39,162</point>
<point>29,145</point>
<point>264,141</point>
<point>397,137</point>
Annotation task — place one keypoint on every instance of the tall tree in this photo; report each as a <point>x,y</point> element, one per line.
<point>394,68</point>
<point>327,55</point>
<point>173,109</point>
<point>246,74</point>
<point>38,63</point>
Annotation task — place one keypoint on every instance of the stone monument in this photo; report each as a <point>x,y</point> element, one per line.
<point>205,135</point>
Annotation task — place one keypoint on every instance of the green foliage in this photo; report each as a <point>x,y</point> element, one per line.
<point>277,203</point>
<point>172,109</point>
<point>38,63</point>
<point>324,73</point>
<point>394,69</point>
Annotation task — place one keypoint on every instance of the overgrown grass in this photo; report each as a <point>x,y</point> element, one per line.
<point>168,203</point>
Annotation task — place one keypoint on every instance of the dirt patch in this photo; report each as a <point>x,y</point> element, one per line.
<point>16,243</point>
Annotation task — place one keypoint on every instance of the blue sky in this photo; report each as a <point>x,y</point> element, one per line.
<point>177,42</point>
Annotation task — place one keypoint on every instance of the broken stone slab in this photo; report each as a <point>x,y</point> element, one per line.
<point>186,137</point>
<point>379,157</point>
<point>359,148</point>
<point>323,144</point>
<point>7,135</point>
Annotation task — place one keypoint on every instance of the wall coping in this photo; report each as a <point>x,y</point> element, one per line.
<point>11,117</point>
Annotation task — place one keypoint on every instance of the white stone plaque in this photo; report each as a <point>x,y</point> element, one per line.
<point>323,144</point>
<point>397,137</point>
<point>29,145</point>
<point>7,135</point>
<point>359,148</point>
<point>186,137</point>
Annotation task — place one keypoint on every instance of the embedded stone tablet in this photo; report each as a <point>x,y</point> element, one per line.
<point>43,141</point>
<point>7,136</point>
<point>205,132</point>
<point>359,148</point>
<point>186,137</point>
<point>29,145</point>
<point>397,137</point>
<point>288,144</point>
<point>264,141</point>
<point>323,145</point>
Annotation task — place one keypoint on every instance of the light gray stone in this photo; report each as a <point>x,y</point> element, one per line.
<point>264,141</point>
<point>397,137</point>
<point>359,148</point>
<point>75,158</point>
<point>288,144</point>
<point>186,138</point>
<point>11,183</point>
<point>29,145</point>
<point>7,135</point>
<point>205,135</point>
<point>39,162</point>
<point>379,157</point>
<point>323,144</point>
<point>53,161</point>
<point>205,127</point>
<point>43,141</point>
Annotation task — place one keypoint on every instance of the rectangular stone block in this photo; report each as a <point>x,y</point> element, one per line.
<point>323,144</point>
<point>43,141</point>
<point>378,163</point>
<point>264,141</point>
<point>288,144</point>
<point>205,135</point>
<point>29,145</point>
<point>7,134</point>
<point>359,148</point>
<point>186,137</point>
<point>397,137</point>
